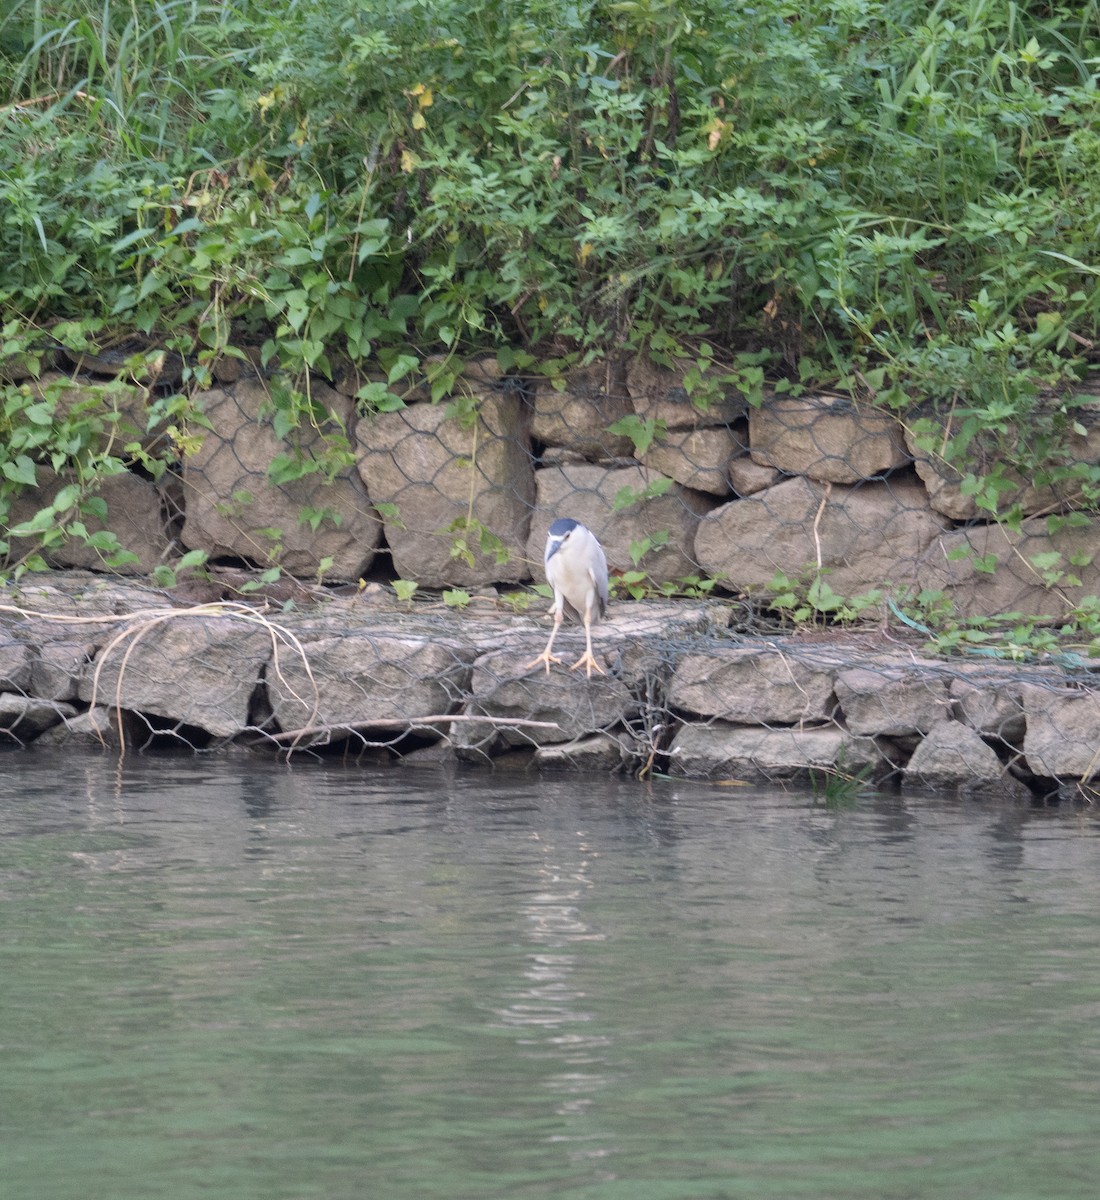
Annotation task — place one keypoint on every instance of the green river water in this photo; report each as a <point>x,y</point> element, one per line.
<point>224,978</point>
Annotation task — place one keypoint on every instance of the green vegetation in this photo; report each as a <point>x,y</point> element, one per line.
<point>895,197</point>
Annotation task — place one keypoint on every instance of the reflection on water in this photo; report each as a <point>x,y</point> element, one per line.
<point>224,977</point>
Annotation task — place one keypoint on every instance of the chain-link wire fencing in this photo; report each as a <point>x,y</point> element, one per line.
<point>787,573</point>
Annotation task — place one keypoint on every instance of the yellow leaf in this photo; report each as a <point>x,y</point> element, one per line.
<point>585,251</point>
<point>424,98</point>
<point>715,130</point>
<point>418,121</point>
<point>415,91</point>
<point>408,161</point>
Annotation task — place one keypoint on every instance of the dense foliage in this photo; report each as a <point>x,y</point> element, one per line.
<point>899,197</point>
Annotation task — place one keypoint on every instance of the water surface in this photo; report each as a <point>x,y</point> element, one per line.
<point>224,977</point>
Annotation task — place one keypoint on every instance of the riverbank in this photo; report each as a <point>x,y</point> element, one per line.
<point>130,668</point>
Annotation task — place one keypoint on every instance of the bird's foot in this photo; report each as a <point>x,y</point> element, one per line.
<point>545,657</point>
<point>588,661</point>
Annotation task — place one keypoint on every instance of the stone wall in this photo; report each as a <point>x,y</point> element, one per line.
<point>84,660</point>
<point>462,495</point>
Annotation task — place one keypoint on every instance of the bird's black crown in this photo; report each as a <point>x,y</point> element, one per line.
<point>562,526</point>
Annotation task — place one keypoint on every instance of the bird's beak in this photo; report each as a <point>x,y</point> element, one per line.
<point>554,547</point>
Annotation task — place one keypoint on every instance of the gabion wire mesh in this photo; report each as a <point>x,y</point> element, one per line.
<point>696,494</point>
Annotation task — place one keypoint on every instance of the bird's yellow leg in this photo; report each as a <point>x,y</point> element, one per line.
<point>546,657</point>
<point>587,659</point>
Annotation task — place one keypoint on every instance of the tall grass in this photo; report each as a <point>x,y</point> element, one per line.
<point>140,74</point>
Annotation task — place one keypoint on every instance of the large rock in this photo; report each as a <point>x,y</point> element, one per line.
<point>828,438</point>
<point>575,415</point>
<point>98,728</point>
<point>682,397</point>
<point>866,536</point>
<point>747,477</point>
<point>752,686</point>
<point>942,481</point>
<point>769,755</point>
<point>24,718</point>
<point>135,515</point>
<point>600,752</point>
<point>58,669</point>
<point>29,364</point>
<point>954,758</point>
<point>1043,568</point>
<point>115,413</point>
<point>350,680</point>
<point>1063,732</point>
<point>988,703</point>
<point>895,701</point>
<point>431,469</point>
<point>589,494</point>
<point>233,508</point>
<point>16,662</point>
<point>697,458</point>
<point>193,667</point>
<point>928,439</point>
<point>565,706</point>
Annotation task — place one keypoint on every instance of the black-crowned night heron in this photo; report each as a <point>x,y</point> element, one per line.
<point>576,568</point>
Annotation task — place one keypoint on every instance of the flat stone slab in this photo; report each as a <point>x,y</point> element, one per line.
<point>895,702</point>
<point>196,667</point>
<point>752,753</point>
<point>336,684</point>
<point>23,718</point>
<point>531,707</point>
<point>752,686</point>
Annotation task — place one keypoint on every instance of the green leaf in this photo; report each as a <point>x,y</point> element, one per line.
<point>642,432</point>
<point>42,522</point>
<point>103,539</point>
<point>193,558</point>
<point>21,471</point>
<point>379,397</point>
<point>403,364</point>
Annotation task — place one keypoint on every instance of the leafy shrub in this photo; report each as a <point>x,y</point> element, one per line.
<point>898,198</point>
